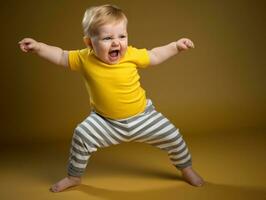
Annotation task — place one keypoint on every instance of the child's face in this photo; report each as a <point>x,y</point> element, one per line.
<point>110,44</point>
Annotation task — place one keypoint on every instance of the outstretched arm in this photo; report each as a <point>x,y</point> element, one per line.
<point>51,53</point>
<point>162,53</point>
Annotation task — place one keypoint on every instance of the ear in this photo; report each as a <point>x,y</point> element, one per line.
<point>87,41</point>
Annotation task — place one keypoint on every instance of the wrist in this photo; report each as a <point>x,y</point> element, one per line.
<point>38,47</point>
<point>176,47</point>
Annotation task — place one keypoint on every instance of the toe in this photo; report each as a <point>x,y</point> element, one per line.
<point>54,188</point>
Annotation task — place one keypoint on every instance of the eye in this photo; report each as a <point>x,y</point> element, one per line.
<point>122,36</point>
<point>107,38</point>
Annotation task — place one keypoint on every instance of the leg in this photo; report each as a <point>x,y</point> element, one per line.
<point>78,159</point>
<point>91,134</point>
<point>160,132</point>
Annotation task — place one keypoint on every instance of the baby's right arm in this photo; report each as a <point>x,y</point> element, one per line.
<point>51,53</point>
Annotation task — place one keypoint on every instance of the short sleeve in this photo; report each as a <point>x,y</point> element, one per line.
<point>139,56</point>
<point>74,60</point>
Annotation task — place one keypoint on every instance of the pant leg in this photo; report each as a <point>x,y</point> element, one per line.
<point>155,129</point>
<point>93,133</point>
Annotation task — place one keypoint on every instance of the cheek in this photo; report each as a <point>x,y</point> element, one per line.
<point>124,45</point>
<point>103,47</point>
<point>98,48</point>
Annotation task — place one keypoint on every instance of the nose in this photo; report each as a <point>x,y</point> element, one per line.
<point>115,42</point>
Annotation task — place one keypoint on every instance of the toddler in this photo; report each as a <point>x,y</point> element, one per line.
<point>120,110</point>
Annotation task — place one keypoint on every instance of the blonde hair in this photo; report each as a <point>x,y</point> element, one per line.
<point>99,15</point>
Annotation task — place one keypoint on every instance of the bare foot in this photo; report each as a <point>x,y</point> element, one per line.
<point>65,183</point>
<point>192,177</point>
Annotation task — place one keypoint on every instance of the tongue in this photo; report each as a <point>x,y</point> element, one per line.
<point>113,53</point>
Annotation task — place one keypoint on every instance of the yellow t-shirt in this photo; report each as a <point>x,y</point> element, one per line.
<point>114,90</point>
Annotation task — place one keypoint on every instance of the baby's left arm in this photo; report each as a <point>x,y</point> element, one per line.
<point>160,54</point>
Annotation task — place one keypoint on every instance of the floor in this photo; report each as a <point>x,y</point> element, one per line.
<point>233,165</point>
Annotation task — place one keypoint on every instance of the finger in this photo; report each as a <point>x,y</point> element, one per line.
<point>21,41</point>
<point>30,46</point>
<point>26,40</point>
<point>187,44</point>
<point>183,47</point>
<point>23,49</point>
<point>190,44</point>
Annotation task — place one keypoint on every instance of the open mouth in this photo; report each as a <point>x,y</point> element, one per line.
<point>114,54</point>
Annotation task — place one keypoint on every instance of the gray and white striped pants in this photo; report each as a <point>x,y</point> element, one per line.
<point>150,127</point>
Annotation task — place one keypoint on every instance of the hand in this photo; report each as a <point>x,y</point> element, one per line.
<point>29,45</point>
<point>184,44</point>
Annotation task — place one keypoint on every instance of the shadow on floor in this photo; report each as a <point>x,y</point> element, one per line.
<point>208,191</point>
<point>124,170</point>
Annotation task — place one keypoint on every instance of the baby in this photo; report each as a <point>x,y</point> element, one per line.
<point>120,110</point>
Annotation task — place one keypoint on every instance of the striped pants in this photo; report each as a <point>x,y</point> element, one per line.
<point>150,127</point>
